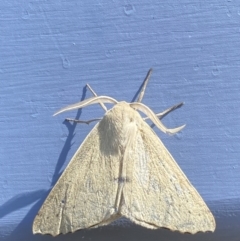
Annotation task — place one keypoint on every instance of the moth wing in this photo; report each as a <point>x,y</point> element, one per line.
<point>84,196</point>
<point>157,193</point>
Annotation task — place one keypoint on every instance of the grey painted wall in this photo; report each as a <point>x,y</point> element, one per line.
<point>49,50</point>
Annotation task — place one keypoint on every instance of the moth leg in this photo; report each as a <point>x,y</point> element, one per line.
<point>144,85</point>
<point>94,93</point>
<point>80,121</point>
<point>167,111</point>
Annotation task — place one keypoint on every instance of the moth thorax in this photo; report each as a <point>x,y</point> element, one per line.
<point>118,127</point>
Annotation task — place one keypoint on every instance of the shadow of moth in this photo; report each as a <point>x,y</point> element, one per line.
<point>122,169</point>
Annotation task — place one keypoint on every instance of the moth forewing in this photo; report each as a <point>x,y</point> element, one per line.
<point>159,194</point>
<point>78,199</point>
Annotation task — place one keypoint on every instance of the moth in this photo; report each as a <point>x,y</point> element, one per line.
<point>122,169</point>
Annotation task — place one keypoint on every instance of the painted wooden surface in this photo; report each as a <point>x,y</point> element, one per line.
<point>49,50</point>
